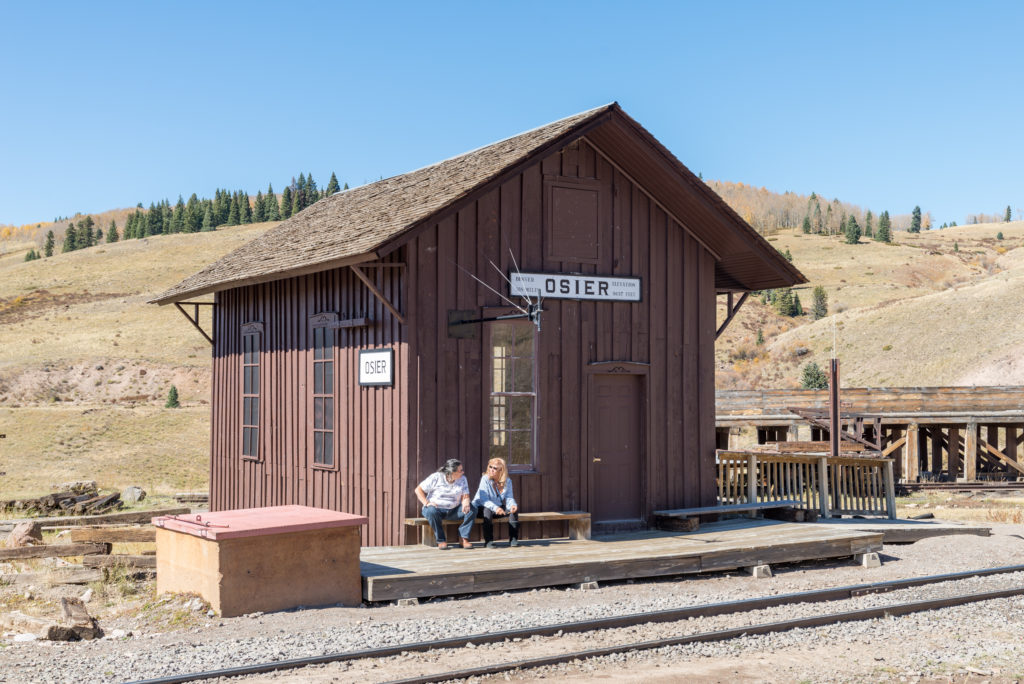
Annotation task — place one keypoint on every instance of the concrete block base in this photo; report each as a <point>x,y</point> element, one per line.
<point>868,560</point>
<point>759,571</point>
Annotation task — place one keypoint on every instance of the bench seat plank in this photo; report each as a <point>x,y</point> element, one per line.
<point>579,523</point>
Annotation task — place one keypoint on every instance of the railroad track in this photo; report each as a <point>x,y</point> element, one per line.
<point>672,615</point>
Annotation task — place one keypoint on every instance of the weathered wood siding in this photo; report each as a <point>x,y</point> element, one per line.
<point>672,329</point>
<point>368,478</point>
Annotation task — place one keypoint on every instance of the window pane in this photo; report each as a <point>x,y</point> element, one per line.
<point>523,371</point>
<point>501,339</point>
<point>318,447</point>
<point>318,343</point>
<point>328,413</point>
<point>246,411</point>
<point>328,377</point>
<point>318,378</point>
<point>499,413</point>
<point>255,411</point>
<point>328,342</point>
<point>501,379</point>
<point>520,413</point>
<point>245,442</point>
<point>328,448</point>
<point>246,380</point>
<point>520,448</point>
<point>318,413</point>
<point>523,340</point>
<point>498,451</point>
<point>254,442</point>
<point>255,370</point>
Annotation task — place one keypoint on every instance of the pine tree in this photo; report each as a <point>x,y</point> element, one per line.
<point>345,187</point>
<point>208,219</point>
<point>31,255</point>
<point>884,232</point>
<point>172,398</point>
<point>286,202</point>
<point>806,225</point>
<point>867,224</point>
<point>233,210</point>
<point>784,303</point>
<point>788,255</point>
<point>244,208</point>
<point>271,210</point>
<point>798,309</point>
<point>193,215</point>
<point>813,377</point>
<point>819,305</point>
<point>154,221</point>
<point>99,236</point>
<point>166,218</point>
<point>70,239</point>
<point>178,218</point>
<point>257,211</point>
<point>999,235</point>
<point>312,194</point>
<point>1008,215</point>
<point>332,185</point>
<point>48,248</point>
<point>915,221</point>
<point>85,238</point>
<point>112,235</point>
<point>852,231</point>
<point>760,337</point>
<point>956,247</point>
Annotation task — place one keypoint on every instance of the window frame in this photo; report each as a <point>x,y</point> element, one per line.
<point>517,468</point>
<point>251,333</point>
<point>323,322</point>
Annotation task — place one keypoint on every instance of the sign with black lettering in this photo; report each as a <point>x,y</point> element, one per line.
<point>377,367</point>
<point>569,286</point>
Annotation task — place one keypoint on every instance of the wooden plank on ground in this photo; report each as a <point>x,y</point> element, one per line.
<point>75,575</point>
<point>67,521</point>
<point>53,551</point>
<point>114,535</point>
<point>729,508</point>
<point>125,560</point>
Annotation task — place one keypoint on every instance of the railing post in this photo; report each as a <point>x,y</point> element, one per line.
<point>752,477</point>
<point>826,511</point>
<point>890,491</point>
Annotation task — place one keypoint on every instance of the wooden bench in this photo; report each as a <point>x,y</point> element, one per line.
<point>687,519</point>
<point>579,524</point>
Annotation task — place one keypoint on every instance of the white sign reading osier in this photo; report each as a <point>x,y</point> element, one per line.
<point>377,367</point>
<point>565,286</point>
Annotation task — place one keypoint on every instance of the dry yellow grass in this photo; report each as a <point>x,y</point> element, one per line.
<point>86,363</point>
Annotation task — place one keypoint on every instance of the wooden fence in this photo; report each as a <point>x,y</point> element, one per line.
<point>833,486</point>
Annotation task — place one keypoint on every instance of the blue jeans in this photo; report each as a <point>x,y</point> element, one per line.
<point>435,516</point>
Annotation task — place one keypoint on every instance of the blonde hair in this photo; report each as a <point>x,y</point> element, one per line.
<point>502,476</point>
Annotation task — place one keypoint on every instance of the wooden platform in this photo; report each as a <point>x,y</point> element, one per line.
<point>394,572</point>
<point>905,531</point>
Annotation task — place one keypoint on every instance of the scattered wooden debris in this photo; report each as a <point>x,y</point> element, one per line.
<point>75,574</point>
<point>73,624</point>
<point>192,497</point>
<point>53,551</point>
<point>122,560</point>
<point>114,535</point>
<point>79,499</point>
<point>131,517</point>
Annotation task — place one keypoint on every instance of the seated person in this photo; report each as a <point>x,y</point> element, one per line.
<point>494,498</point>
<point>441,494</point>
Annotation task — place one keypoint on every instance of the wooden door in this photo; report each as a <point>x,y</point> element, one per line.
<point>616,446</point>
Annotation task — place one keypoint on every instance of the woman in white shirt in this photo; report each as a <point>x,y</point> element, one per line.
<point>441,495</point>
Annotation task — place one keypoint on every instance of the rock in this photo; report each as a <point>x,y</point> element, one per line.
<point>24,637</point>
<point>118,634</point>
<point>211,613</point>
<point>25,534</point>
<point>87,596</point>
<point>133,494</point>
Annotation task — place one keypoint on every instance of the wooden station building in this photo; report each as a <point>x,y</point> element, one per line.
<point>350,359</point>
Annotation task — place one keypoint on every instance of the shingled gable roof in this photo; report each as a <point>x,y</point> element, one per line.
<point>363,223</point>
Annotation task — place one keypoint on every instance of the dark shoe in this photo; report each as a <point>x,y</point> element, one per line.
<point>466,544</point>
<point>489,545</point>
<point>513,542</point>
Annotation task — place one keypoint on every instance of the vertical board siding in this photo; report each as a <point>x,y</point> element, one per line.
<point>672,329</point>
<point>368,422</point>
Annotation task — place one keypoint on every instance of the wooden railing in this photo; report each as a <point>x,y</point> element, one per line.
<point>833,486</point>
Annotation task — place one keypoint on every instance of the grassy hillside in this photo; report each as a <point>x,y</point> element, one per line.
<point>85,363</point>
<point>937,308</point>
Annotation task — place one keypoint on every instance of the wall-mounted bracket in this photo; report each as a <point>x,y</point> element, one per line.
<point>730,309</point>
<point>193,318</point>
<point>377,293</point>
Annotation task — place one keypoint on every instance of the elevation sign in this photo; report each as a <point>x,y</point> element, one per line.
<point>569,286</point>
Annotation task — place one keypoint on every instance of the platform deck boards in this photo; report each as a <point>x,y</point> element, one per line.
<point>393,572</point>
<point>906,531</point>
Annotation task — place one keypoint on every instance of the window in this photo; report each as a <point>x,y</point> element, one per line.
<point>513,401</point>
<point>323,396</point>
<point>251,337</point>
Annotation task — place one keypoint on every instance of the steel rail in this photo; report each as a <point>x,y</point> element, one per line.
<point>721,635</point>
<point>669,615</point>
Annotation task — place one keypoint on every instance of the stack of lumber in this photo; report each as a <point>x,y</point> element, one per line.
<point>68,502</point>
<point>846,449</point>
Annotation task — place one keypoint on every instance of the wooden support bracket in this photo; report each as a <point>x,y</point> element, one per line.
<point>731,311</point>
<point>377,293</point>
<point>194,317</point>
<point>1000,455</point>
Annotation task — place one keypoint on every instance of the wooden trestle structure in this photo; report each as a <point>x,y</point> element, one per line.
<point>933,434</point>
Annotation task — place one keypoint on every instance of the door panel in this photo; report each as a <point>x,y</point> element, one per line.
<point>616,458</point>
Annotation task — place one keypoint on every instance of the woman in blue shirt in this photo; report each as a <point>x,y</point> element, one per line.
<point>493,498</point>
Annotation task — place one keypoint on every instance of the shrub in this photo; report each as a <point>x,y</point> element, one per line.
<point>813,377</point>
<point>172,398</point>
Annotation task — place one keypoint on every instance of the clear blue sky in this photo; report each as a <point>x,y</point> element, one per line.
<point>882,104</point>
